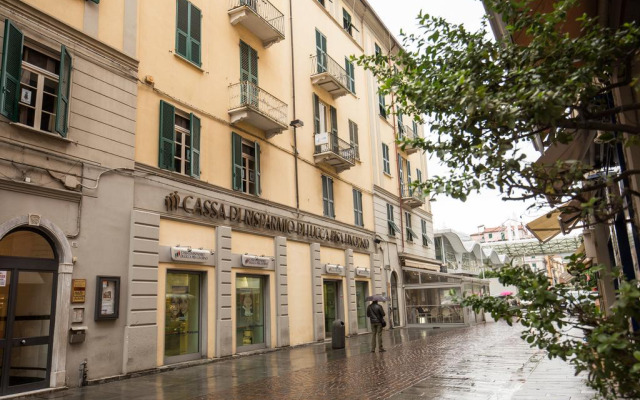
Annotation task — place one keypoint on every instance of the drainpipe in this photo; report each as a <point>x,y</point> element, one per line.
<point>293,106</point>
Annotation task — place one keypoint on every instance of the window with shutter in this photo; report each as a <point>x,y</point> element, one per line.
<point>393,228</point>
<point>35,83</point>
<point>346,22</point>
<point>188,31</point>
<point>357,208</point>
<point>401,174</point>
<point>353,138</point>
<point>386,165</point>
<point>409,178</point>
<point>249,74</point>
<point>327,197</point>
<point>179,148</point>
<point>321,52</point>
<point>351,83</point>
<point>246,165</point>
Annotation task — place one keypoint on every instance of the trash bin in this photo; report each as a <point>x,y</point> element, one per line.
<point>337,335</point>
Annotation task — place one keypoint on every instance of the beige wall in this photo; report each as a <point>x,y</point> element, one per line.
<point>173,233</point>
<point>111,22</point>
<point>70,12</point>
<point>246,243</point>
<point>300,295</point>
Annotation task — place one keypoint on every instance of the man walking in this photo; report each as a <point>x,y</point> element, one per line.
<point>376,314</point>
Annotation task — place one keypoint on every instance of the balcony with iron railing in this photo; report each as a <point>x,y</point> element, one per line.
<point>411,197</point>
<point>260,17</point>
<point>406,133</point>
<point>328,74</point>
<point>257,107</point>
<point>332,151</point>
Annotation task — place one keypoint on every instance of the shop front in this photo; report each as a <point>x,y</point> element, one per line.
<point>432,298</point>
<point>251,312</point>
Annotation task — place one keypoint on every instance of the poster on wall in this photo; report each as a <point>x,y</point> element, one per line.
<point>3,278</point>
<point>107,297</point>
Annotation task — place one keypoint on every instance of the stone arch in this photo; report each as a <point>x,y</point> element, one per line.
<point>63,291</point>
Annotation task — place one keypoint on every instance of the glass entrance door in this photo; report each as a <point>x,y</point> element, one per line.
<point>330,293</point>
<point>395,315</point>
<point>28,278</point>
<point>361,305</point>
<point>183,322</point>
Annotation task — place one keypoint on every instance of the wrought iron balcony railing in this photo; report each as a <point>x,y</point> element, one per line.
<point>265,10</point>
<point>341,154</point>
<point>411,196</point>
<point>245,95</point>
<point>328,73</point>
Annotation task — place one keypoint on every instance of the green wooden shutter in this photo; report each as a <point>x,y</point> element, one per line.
<point>335,146</point>
<point>409,177</point>
<point>332,211</point>
<point>182,28</point>
<point>316,113</point>
<point>11,70</point>
<point>195,146</point>
<point>166,153</point>
<point>325,196</point>
<point>321,52</point>
<point>236,160</point>
<point>258,185</point>
<point>96,1</point>
<point>64,84</point>
<point>195,21</point>
<point>244,61</point>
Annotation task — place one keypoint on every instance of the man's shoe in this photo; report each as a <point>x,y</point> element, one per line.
<point>382,350</point>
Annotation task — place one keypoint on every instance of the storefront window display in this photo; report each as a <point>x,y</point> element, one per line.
<point>183,317</point>
<point>250,310</point>
<point>433,306</point>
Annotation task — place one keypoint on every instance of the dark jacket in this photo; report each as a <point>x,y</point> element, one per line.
<point>375,312</point>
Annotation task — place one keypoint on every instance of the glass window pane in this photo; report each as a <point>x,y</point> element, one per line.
<point>28,364</point>
<point>5,281</point>
<point>249,310</point>
<point>411,277</point>
<point>182,320</point>
<point>33,304</point>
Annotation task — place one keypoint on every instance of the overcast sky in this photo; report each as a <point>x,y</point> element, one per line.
<point>484,209</point>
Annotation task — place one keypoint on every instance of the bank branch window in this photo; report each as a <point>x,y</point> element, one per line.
<point>246,165</point>
<point>250,310</point>
<point>35,83</point>
<point>183,325</point>
<point>179,141</point>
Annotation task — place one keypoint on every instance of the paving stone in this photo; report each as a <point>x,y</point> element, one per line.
<point>487,361</point>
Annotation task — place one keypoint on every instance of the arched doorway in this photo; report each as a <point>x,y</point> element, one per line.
<point>395,314</point>
<point>28,287</point>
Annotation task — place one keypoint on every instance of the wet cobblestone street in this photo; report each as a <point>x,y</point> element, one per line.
<point>482,362</point>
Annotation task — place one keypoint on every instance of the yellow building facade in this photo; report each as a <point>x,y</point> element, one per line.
<point>266,195</point>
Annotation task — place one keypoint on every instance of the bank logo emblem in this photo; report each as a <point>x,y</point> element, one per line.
<point>172,201</point>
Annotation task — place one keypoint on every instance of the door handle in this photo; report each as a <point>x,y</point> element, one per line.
<point>23,342</point>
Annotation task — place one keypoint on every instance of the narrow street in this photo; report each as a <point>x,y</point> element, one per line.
<point>481,362</point>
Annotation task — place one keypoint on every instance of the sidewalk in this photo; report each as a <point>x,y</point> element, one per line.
<point>483,362</point>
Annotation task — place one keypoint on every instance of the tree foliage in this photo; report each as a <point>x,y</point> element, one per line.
<point>567,321</point>
<point>486,100</point>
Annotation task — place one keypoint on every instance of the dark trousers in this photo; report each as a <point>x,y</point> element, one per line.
<point>376,331</point>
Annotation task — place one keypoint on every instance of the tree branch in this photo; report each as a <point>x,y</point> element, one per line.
<point>600,126</point>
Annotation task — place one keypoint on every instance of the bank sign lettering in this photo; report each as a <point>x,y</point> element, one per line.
<point>257,219</point>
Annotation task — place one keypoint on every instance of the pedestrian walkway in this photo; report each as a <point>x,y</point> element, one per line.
<point>482,362</point>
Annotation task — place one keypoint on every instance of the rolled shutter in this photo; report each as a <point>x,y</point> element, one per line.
<point>236,156</point>
<point>166,154</point>
<point>258,185</point>
<point>11,70</point>
<point>195,146</point>
<point>64,84</point>
<point>195,20</point>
